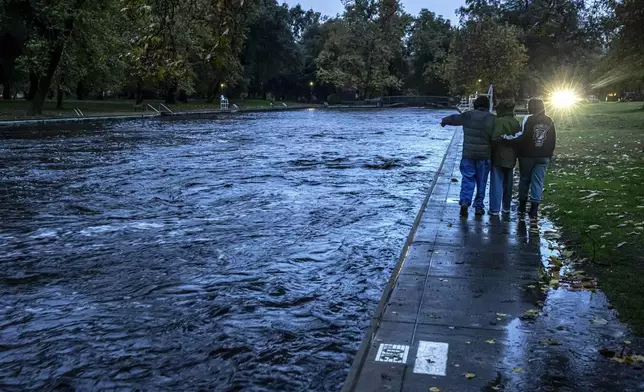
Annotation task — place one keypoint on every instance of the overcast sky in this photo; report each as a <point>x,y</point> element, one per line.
<point>446,8</point>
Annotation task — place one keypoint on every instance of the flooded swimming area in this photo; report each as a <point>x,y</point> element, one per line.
<point>242,253</point>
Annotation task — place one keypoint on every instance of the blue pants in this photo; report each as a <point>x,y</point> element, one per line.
<point>501,183</point>
<point>475,173</point>
<point>533,171</point>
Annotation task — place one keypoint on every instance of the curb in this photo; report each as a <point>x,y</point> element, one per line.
<point>363,350</point>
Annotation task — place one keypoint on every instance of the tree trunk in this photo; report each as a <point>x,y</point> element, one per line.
<point>33,86</point>
<point>55,55</point>
<point>7,71</point>
<point>139,92</point>
<point>211,93</point>
<point>80,91</point>
<point>183,97</point>
<point>170,98</point>
<point>6,91</point>
<point>59,93</point>
<point>59,97</point>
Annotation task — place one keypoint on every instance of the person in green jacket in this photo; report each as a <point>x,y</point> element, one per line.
<point>503,158</point>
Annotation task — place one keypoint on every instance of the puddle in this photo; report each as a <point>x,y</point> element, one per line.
<point>572,340</point>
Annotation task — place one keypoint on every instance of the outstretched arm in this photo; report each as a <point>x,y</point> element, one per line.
<point>454,119</point>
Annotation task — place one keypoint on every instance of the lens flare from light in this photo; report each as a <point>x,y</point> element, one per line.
<point>564,99</point>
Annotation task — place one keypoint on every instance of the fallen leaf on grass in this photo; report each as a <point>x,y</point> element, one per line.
<point>434,389</point>
<point>470,376</point>
<point>621,244</point>
<point>554,260</point>
<point>517,369</point>
<point>490,341</point>
<point>593,227</point>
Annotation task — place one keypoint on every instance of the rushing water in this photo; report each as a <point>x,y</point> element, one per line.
<point>243,253</point>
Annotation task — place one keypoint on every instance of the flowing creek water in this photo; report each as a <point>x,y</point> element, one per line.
<point>242,253</point>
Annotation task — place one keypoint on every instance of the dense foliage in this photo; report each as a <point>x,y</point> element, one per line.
<point>260,48</point>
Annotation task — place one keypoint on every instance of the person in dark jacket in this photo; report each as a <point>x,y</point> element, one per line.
<point>535,145</point>
<point>478,125</point>
<point>503,158</point>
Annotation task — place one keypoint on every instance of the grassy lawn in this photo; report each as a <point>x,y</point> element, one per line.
<point>595,193</point>
<point>17,109</point>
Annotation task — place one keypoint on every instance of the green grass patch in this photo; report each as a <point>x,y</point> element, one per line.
<point>594,192</point>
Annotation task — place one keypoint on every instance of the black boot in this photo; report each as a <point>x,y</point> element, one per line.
<point>534,211</point>
<point>522,205</point>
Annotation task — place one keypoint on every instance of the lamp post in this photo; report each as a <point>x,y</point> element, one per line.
<point>311,85</point>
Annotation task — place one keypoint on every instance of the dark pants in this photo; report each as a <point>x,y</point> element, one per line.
<point>533,172</point>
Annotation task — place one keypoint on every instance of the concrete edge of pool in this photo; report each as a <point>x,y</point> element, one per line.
<point>144,116</point>
<point>377,318</point>
<point>5,124</point>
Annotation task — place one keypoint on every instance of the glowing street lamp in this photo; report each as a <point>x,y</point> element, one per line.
<point>311,84</point>
<point>564,99</point>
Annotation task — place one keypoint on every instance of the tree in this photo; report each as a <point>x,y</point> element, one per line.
<point>562,37</point>
<point>13,35</point>
<point>624,63</point>
<point>50,27</point>
<point>218,60</point>
<point>271,56</point>
<point>484,52</point>
<point>362,47</point>
<point>428,46</point>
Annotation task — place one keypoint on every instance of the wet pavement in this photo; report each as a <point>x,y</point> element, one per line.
<point>242,253</point>
<point>487,304</point>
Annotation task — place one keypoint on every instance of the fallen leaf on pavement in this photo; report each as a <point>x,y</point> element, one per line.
<point>470,376</point>
<point>434,389</point>
<point>490,341</point>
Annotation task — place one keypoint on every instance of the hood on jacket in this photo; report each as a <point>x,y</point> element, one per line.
<point>536,106</point>
<point>505,108</point>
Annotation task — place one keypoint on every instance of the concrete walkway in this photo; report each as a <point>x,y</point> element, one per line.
<point>464,311</point>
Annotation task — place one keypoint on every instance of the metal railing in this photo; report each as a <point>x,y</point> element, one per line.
<point>167,109</point>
